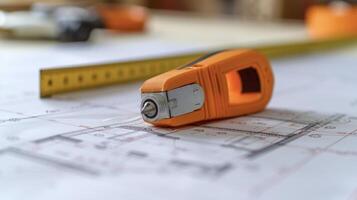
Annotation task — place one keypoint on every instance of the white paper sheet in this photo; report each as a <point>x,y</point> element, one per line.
<point>94,145</point>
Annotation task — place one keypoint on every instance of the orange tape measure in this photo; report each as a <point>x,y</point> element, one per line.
<point>219,85</point>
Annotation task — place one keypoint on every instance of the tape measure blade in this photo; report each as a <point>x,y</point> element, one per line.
<point>300,48</point>
<point>60,80</point>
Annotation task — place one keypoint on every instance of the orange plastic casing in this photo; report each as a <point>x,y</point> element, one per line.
<point>331,21</point>
<point>218,76</point>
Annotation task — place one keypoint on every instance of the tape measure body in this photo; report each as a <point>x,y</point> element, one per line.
<point>223,84</point>
<point>67,79</point>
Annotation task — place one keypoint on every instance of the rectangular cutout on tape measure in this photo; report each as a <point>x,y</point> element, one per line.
<point>243,85</point>
<point>250,80</point>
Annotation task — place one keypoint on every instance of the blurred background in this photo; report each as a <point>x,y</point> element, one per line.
<point>251,9</point>
<point>73,21</point>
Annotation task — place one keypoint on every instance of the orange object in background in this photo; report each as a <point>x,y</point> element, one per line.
<point>334,20</point>
<point>123,18</point>
<point>224,84</point>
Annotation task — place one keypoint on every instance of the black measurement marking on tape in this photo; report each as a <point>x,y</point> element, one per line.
<point>65,80</point>
<point>107,75</point>
<point>94,77</point>
<point>80,79</point>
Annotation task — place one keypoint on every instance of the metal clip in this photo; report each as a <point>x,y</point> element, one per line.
<point>176,102</point>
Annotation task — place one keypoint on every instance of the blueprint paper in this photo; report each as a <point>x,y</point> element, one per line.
<point>94,144</point>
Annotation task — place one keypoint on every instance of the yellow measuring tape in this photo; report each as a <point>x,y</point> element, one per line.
<point>67,79</point>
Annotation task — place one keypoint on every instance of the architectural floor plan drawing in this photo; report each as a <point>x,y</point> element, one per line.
<point>94,144</point>
<point>239,138</point>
